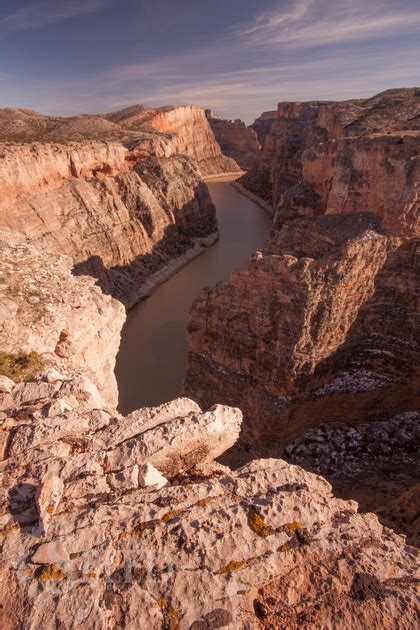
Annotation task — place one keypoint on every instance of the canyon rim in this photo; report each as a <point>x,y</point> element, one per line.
<point>280,488</point>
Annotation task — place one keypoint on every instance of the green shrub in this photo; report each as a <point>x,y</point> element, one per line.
<point>21,366</point>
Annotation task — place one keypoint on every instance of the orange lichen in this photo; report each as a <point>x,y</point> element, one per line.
<point>50,509</point>
<point>140,529</point>
<point>169,516</point>
<point>284,548</point>
<point>167,608</point>
<point>257,524</point>
<point>290,528</point>
<point>51,572</point>
<point>233,566</point>
<point>206,501</point>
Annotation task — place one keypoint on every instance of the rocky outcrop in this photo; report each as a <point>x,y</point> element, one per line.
<point>263,124</point>
<point>47,310</point>
<point>349,156</point>
<point>65,429</point>
<point>213,548</point>
<point>321,325</point>
<point>236,140</point>
<point>127,201</point>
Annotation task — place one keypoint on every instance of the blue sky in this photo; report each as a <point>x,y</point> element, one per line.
<point>239,57</point>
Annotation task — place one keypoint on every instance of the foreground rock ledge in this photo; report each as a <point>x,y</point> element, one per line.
<point>92,537</point>
<point>266,542</point>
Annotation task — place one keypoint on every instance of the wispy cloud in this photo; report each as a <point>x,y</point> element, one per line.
<point>44,12</point>
<point>245,92</point>
<point>250,68</point>
<point>308,23</point>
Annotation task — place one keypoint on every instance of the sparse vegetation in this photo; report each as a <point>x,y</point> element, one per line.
<point>21,366</point>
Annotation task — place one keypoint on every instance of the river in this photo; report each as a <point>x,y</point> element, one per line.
<point>152,360</point>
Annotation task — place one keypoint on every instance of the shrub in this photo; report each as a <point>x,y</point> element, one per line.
<point>21,366</point>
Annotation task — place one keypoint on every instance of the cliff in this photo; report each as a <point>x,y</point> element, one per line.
<point>330,153</point>
<point>236,140</point>
<point>45,309</point>
<point>113,520</point>
<point>263,124</point>
<point>124,197</point>
<point>320,327</point>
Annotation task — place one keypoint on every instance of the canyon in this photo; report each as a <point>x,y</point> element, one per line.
<point>182,515</point>
<point>122,193</point>
<point>128,521</point>
<point>321,325</point>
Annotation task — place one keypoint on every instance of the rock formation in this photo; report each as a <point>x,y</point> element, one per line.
<point>44,309</point>
<point>321,325</point>
<point>236,140</point>
<point>375,463</point>
<point>121,193</point>
<point>128,522</point>
<point>323,157</point>
<point>263,124</point>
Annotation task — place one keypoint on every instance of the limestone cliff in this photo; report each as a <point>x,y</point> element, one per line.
<point>125,199</point>
<point>321,326</point>
<point>330,156</point>
<point>47,310</point>
<point>161,132</point>
<point>236,140</point>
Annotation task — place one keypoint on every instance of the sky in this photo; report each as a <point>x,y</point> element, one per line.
<point>238,57</point>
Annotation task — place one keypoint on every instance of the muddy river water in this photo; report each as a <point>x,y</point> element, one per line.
<point>152,360</point>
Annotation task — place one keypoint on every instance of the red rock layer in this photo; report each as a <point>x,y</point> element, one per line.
<point>121,193</point>
<point>321,326</point>
<point>350,156</point>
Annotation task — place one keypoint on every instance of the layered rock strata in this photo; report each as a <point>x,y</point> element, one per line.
<point>350,156</point>
<point>321,325</point>
<point>162,132</point>
<point>115,521</point>
<point>263,124</point>
<point>122,193</point>
<point>236,140</point>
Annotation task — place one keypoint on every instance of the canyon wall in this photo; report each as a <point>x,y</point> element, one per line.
<point>332,154</point>
<point>46,310</point>
<point>263,124</point>
<point>236,140</point>
<point>128,521</point>
<point>321,325</point>
<point>121,193</point>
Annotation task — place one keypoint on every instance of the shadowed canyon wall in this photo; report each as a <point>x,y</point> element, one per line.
<point>321,325</point>
<point>122,193</point>
<point>236,140</point>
